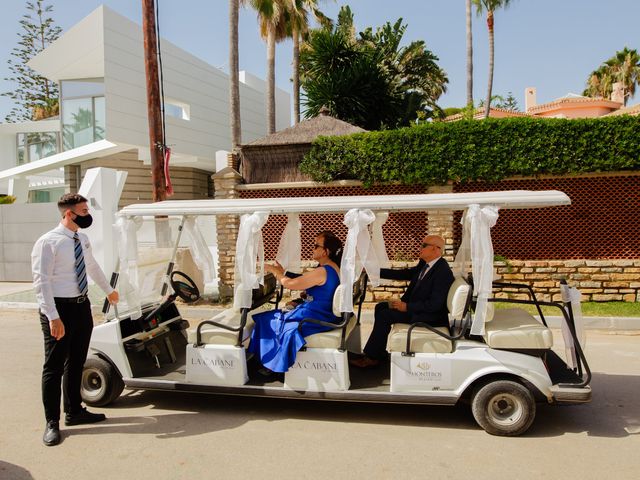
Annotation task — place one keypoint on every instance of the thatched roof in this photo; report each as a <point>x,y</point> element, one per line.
<point>307,131</point>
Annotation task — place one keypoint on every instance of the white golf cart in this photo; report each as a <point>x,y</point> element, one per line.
<point>499,360</point>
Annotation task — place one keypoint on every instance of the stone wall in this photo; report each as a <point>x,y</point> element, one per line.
<point>597,280</point>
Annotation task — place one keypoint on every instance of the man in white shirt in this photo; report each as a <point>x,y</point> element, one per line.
<point>61,260</point>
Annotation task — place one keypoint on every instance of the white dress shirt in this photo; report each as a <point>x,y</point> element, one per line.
<point>54,272</point>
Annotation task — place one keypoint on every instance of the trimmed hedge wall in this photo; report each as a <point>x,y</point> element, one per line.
<point>487,150</point>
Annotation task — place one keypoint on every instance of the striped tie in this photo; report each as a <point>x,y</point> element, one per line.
<point>81,272</point>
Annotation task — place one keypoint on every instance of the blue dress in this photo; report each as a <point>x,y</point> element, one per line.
<point>275,337</point>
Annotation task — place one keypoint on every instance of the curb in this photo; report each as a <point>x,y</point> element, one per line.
<point>203,312</point>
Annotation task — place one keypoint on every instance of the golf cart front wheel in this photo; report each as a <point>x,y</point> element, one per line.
<point>504,407</point>
<point>101,383</point>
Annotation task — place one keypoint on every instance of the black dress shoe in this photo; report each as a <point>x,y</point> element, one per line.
<point>51,435</point>
<point>83,416</point>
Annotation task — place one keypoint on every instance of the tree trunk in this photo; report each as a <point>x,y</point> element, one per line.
<point>487,105</point>
<point>234,81</point>
<point>469,57</point>
<point>296,76</point>
<point>271,81</point>
<point>153,100</point>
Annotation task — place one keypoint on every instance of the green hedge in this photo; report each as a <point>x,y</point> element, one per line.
<point>487,150</point>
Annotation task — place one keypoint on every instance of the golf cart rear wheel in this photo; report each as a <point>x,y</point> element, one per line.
<point>503,407</point>
<point>101,383</point>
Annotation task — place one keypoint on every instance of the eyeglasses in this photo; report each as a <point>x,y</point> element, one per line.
<point>425,245</point>
<point>315,245</point>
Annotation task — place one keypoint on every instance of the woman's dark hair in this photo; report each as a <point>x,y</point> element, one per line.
<point>333,245</point>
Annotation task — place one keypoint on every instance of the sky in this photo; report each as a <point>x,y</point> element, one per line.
<point>552,45</point>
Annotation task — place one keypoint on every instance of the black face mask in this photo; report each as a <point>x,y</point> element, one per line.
<point>83,221</point>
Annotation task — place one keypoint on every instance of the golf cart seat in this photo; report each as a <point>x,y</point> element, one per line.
<point>333,338</point>
<point>227,327</point>
<point>516,329</point>
<point>231,317</point>
<point>424,340</point>
<point>322,365</point>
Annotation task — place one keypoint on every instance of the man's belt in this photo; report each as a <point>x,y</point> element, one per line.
<point>80,299</point>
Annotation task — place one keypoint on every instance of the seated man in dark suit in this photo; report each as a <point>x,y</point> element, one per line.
<point>425,299</point>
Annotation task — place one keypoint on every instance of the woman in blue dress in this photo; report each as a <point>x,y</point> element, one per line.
<point>275,338</point>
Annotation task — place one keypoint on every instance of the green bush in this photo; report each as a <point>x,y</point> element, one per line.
<point>487,150</point>
<point>7,199</point>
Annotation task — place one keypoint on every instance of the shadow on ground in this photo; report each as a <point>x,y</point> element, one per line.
<point>613,413</point>
<point>9,471</point>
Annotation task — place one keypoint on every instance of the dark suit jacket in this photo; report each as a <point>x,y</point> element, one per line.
<point>426,299</point>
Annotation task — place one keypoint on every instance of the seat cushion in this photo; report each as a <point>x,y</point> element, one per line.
<point>423,340</point>
<point>331,338</point>
<point>513,328</point>
<point>213,335</point>
<point>457,298</point>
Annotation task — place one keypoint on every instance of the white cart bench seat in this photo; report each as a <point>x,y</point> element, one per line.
<point>422,340</point>
<point>514,328</point>
<point>331,338</point>
<point>213,335</point>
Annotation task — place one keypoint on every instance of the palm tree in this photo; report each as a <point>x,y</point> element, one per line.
<point>298,19</point>
<point>272,19</point>
<point>490,6</point>
<point>624,67</point>
<point>600,83</point>
<point>234,81</point>
<point>469,55</point>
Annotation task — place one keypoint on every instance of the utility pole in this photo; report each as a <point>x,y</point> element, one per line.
<point>153,100</point>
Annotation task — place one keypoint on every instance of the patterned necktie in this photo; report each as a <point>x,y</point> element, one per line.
<point>424,271</point>
<point>80,268</point>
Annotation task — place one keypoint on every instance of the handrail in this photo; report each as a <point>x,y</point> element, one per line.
<point>465,318</point>
<point>532,295</point>
<point>243,321</point>
<point>568,318</point>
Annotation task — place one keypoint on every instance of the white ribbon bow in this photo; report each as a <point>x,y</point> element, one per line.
<point>249,248</point>
<point>128,280</point>
<point>476,240</point>
<point>378,240</point>
<point>358,253</point>
<point>290,248</point>
<point>199,249</point>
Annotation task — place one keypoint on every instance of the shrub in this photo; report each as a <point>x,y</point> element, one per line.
<point>487,150</point>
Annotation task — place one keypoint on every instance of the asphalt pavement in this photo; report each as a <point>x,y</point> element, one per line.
<point>169,435</point>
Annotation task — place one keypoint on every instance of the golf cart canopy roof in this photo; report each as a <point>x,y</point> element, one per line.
<point>397,203</point>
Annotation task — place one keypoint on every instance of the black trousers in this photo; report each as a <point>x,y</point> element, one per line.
<point>384,317</point>
<point>64,359</point>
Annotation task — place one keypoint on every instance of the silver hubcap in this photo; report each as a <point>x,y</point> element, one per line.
<point>92,383</point>
<point>505,409</point>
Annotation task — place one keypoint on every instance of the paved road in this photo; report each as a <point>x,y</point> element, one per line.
<point>154,435</point>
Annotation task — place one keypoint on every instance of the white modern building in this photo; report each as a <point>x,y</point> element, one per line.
<point>99,66</point>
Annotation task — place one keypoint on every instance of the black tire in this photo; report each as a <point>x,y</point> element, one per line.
<point>503,407</point>
<point>101,384</point>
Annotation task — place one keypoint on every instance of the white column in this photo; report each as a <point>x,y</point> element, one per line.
<point>19,188</point>
<point>103,187</point>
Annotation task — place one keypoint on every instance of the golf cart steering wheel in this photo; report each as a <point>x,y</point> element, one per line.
<point>184,287</point>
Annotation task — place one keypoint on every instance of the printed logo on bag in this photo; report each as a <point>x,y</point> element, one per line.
<point>213,362</point>
<point>324,367</point>
<point>423,366</point>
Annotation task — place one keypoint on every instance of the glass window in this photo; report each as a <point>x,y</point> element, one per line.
<point>36,145</point>
<point>99,115</point>
<point>77,122</point>
<point>88,87</point>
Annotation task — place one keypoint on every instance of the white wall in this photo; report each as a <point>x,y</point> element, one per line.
<point>20,226</point>
<point>187,79</point>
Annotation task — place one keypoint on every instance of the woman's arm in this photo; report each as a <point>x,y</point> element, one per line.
<point>310,279</point>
